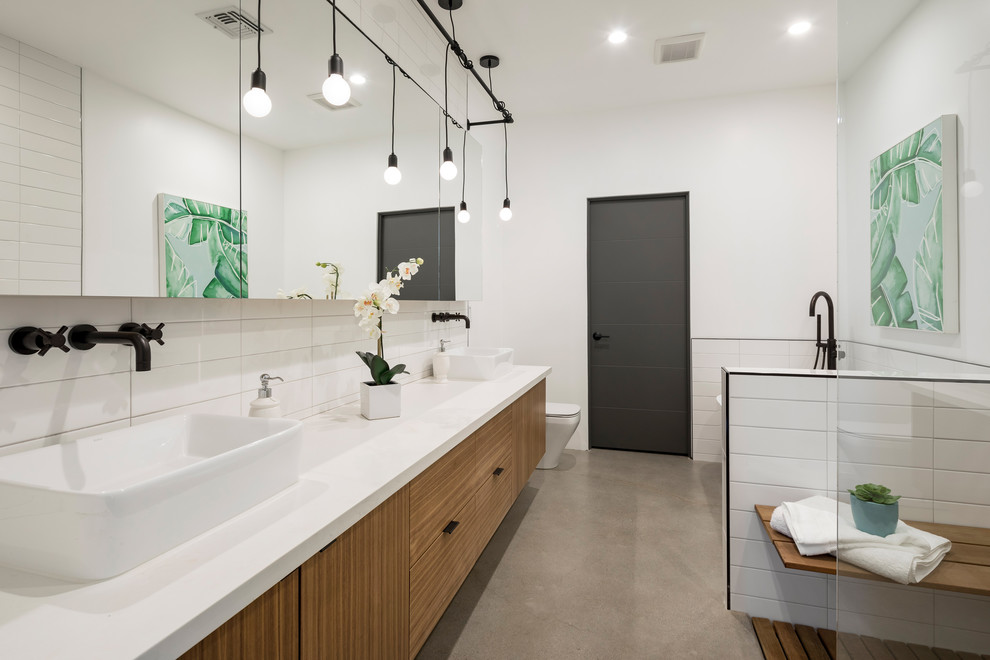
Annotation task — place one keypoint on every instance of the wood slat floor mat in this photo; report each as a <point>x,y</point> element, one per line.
<point>784,641</point>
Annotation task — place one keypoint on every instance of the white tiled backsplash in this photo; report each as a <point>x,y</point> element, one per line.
<point>791,437</point>
<point>40,172</point>
<point>708,356</point>
<point>214,353</point>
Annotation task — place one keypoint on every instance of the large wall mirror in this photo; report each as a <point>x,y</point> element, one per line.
<point>122,113</point>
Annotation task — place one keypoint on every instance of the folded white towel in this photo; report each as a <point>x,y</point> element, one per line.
<point>811,523</point>
<point>906,556</point>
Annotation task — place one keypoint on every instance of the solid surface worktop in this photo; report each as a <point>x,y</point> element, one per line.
<point>349,465</point>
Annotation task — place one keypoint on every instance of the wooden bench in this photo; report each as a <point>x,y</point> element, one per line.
<point>783,641</point>
<point>966,569</point>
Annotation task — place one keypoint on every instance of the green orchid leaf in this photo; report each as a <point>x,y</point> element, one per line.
<point>215,290</point>
<point>178,282</point>
<point>378,368</point>
<point>890,302</point>
<point>392,373</point>
<point>928,273</point>
<point>231,264</point>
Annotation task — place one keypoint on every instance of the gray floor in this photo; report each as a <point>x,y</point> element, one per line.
<point>611,555</point>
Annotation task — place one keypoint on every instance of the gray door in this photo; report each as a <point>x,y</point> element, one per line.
<point>638,324</point>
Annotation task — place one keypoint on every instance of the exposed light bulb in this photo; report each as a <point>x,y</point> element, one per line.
<point>448,170</point>
<point>799,28</point>
<point>506,213</point>
<point>617,37</point>
<point>392,173</point>
<point>335,89</point>
<point>358,79</point>
<point>256,101</point>
<point>463,216</point>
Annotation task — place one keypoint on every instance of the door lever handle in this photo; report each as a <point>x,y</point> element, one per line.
<point>598,336</point>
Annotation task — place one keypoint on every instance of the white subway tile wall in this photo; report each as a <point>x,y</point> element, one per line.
<point>929,440</point>
<point>214,354</point>
<point>40,173</point>
<point>708,356</point>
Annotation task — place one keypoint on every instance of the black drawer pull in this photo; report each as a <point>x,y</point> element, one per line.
<point>451,526</point>
<point>498,471</point>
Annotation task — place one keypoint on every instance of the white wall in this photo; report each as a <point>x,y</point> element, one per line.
<point>135,148</point>
<point>899,89</point>
<point>760,170</point>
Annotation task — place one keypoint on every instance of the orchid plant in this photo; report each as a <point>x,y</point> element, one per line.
<point>370,310</point>
<point>331,278</point>
<point>295,294</point>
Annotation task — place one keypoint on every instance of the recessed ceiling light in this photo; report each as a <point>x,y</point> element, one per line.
<point>358,79</point>
<point>617,36</point>
<point>799,28</point>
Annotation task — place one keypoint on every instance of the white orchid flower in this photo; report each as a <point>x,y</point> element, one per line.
<point>407,269</point>
<point>391,283</point>
<point>361,306</point>
<point>391,305</point>
<point>282,295</point>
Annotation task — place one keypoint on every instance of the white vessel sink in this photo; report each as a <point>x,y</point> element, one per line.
<point>96,507</point>
<point>479,363</point>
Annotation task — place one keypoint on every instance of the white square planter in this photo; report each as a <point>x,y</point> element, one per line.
<point>381,401</point>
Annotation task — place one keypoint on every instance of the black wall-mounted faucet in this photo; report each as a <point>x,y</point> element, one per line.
<point>829,348</point>
<point>85,337</point>
<point>443,317</point>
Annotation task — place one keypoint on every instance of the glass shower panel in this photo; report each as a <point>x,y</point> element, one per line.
<point>911,402</point>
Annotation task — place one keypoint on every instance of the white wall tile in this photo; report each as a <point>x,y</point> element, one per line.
<point>49,288</point>
<point>290,365</point>
<point>770,413</point>
<point>747,525</point>
<point>41,89</point>
<point>961,640</point>
<point>765,361</point>
<point>885,450</point>
<point>49,60</point>
<point>778,387</point>
<point>908,482</point>
<point>41,215</point>
<point>714,360</point>
<point>50,146</point>
<point>227,405</point>
<point>784,443</point>
<point>773,471</point>
<point>193,342</point>
<point>962,611</point>
<point>962,456</point>
<point>271,309</point>
<point>50,199</point>
<point>33,68</point>
<point>886,628</point>
<point>962,395</point>
<point>48,110</point>
<point>266,335</point>
<point>745,496</point>
<point>171,310</point>
<point>862,597</point>
<point>31,233</point>
<point>46,163</point>
<point>58,254</point>
<point>707,433</point>
<point>721,346</point>
<point>777,610</point>
<point>185,384</point>
<point>43,409</point>
<point>885,392</point>
<point>886,420</point>
<point>706,389</point>
<point>764,347</point>
<point>963,487</point>
<point>960,424</point>
<point>803,589</point>
<point>954,513</point>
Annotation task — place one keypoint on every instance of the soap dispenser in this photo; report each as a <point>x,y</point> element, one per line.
<point>266,405</point>
<point>441,363</point>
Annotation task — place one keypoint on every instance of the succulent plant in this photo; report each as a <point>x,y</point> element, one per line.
<point>874,493</point>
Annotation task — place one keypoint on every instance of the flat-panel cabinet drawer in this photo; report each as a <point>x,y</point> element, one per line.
<point>438,494</point>
<point>493,443</point>
<point>436,577</point>
<point>494,499</point>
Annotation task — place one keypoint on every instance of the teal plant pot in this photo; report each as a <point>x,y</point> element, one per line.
<point>873,518</point>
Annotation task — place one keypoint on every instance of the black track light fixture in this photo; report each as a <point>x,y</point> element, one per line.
<point>256,101</point>
<point>335,88</point>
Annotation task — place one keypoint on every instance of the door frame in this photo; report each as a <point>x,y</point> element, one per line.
<point>686,195</point>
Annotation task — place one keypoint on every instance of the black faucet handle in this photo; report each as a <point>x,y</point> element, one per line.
<point>149,333</point>
<point>29,340</point>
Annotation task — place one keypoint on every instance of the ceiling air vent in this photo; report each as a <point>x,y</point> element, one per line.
<point>233,22</point>
<point>678,49</point>
<point>320,100</point>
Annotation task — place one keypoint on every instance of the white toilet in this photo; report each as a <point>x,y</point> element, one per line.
<point>562,421</point>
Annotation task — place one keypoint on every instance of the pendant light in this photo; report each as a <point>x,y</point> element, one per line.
<point>447,169</point>
<point>335,88</point>
<point>463,216</point>
<point>256,101</point>
<point>392,173</point>
<point>490,62</point>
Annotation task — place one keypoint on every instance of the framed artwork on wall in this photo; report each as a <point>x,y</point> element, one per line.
<point>914,231</point>
<point>203,249</point>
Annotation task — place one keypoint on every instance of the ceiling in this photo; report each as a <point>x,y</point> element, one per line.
<point>555,54</point>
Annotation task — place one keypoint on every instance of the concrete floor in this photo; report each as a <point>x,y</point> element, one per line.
<point>611,555</point>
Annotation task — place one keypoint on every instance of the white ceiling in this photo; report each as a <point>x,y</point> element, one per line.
<point>555,55</point>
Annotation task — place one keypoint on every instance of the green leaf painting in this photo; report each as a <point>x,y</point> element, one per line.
<point>205,249</point>
<point>906,229</point>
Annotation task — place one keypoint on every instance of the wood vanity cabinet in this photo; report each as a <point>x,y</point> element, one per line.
<point>267,629</point>
<point>379,589</point>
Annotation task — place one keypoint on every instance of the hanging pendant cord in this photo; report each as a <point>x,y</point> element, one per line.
<point>393,108</point>
<point>446,58</point>
<point>259,34</point>
<point>333,5</point>
<point>464,144</point>
<point>505,131</point>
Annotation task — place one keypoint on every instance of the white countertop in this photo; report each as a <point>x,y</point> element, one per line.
<point>162,608</point>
